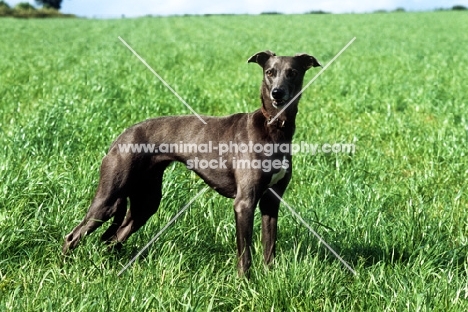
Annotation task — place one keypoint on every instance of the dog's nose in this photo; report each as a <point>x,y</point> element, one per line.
<point>277,93</point>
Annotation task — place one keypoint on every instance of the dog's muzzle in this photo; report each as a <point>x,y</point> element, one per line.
<point>279,97</point>
<point>279,103</point>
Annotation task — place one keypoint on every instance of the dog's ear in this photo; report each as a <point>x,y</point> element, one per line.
<point>307,61</point>
<point>261,57</point>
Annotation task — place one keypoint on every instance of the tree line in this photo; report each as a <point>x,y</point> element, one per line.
<point>48,8</point>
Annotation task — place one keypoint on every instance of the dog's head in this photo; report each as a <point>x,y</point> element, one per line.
<point>282,75</point>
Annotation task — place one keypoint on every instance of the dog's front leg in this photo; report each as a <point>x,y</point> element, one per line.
<point>244,207</point>
<point>269,207</point>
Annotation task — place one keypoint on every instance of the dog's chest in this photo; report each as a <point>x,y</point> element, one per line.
<point>276,177</point>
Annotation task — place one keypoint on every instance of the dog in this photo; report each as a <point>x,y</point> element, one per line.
<point>138,176</point>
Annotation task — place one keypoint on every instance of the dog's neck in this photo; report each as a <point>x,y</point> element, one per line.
<point>280,126</point>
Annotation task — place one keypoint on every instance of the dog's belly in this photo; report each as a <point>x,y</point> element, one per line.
<point>221,181</point>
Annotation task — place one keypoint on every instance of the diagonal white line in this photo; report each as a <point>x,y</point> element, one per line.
<point>162,230</point>
<point>161,79</point>
<point>310,82</point>
<point>315,233</point>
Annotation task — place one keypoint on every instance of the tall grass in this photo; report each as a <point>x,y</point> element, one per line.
<point>396,210</point>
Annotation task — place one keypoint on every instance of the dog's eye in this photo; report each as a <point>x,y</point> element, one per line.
<point>269,72</point>
<point>291,73</point>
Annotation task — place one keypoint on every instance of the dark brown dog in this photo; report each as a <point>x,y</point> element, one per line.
<point>130,171</point>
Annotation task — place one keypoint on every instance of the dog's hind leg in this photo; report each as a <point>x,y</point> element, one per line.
<point>119,216</point>
<point>110,200</point>
<point>141,209</point>
<point>99,212</point>
<point>144,202</point>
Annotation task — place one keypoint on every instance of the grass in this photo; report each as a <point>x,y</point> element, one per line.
<point>396,210</point>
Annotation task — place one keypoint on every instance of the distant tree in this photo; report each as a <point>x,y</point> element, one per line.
<point>5,9</point>
<point>54,4</point>
<point>317,12</point>
<point>459,8</point>
<point>24,6</point>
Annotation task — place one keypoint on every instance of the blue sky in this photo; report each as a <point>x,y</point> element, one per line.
<point>133,8</point>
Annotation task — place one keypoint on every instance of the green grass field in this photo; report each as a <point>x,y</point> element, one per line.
<point>396,209</point>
